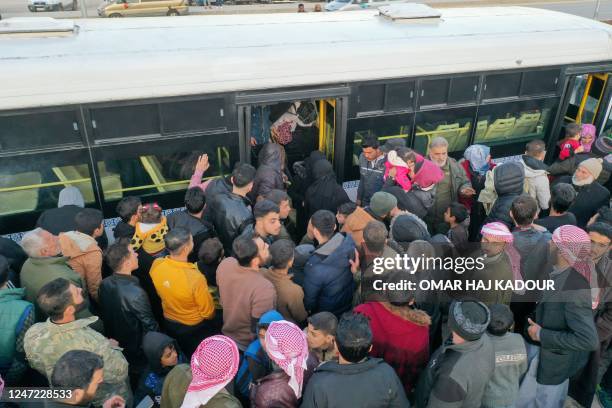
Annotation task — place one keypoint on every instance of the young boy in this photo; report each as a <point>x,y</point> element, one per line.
<point>321,335</point>
<point>562,196</point>
<point>256,363</point>
<point>344,210</point>
<point>128,210</point>
<point>455,216</point>
<point>571,144</point>
<point>510,359</point>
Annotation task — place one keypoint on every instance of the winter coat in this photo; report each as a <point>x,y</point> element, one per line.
<point>457,375</point>
<point>532,245</point>
<point>403,342</point>
<point>370,383</point>
<point>568,332</point>
<point>407,200</point>
<point>273,390</point>
<point>57,220</point>
<point>457,181</point>
<point>324,193</point>
<point>476,208</point>
<point>328,281</point>
<point>46,342</point>
<point>200,230</point>
<point>370,178</point>
<point>510,366</point>
<point>589,199</point>
<point>356,222</point>
<point>365,277</point>
<point>16,317</point>
<point>509,179</point>
<point>124,230</point>
<point>230,214</point>
<point>269,174</point>
<point>536,176</point>
<point>497,268</point>
<point>127,315</point>
<point>37,272</point>
<point>152,381</point>
<point>221,185</point>
<point>150,237</point>
<point>85,257</point>
<point>569,166</point>
<point>175,387</point>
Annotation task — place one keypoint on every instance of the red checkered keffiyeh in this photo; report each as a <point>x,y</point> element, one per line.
<point>575,247</point>
<point>213,365</point>
<point>498,231</point>
<point>287,346</point>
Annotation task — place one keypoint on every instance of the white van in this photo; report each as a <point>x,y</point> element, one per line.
<point>348,5</point>
<point>51,5</point>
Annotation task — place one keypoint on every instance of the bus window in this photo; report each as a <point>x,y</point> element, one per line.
<point>163,168</point>
<point>586,97</point>
<point>540,82</point>
<point>515,122</point>
<point>194,115</point>
<point>36,130</point>
<point>125,121</point>
<point>31,183</point>
<point>434,92</point>
<point>463,89</point>
<point>384,127</point>
<point>502,85</point>
<point>454,125</point>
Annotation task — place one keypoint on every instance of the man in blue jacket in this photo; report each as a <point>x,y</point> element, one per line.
<point>328,281</point>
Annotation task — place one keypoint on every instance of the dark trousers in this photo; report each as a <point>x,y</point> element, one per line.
<point>190,337</point>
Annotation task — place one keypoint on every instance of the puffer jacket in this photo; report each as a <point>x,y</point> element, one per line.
<point>127,314</point>
<point>536,176</point>
<point>509,180</point>
<point>85,257</point>
<point>230,214</point>
<point>269,174</point>
<point>328,281</point>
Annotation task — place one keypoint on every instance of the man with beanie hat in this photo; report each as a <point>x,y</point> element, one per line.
<point>459,371</point>
<point>590,194</point>
<point>383,207</point>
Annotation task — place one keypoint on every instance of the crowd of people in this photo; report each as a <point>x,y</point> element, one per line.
<point>260,291</point>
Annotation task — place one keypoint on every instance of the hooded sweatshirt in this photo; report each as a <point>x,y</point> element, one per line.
<point>269,174</point>
<point>152,381</point>
<point>150,237</point>
<point>85,257</point>
<point>536,176</point>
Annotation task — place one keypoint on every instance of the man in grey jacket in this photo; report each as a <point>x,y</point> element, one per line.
<point>459,371</point>
<point>371,170</point>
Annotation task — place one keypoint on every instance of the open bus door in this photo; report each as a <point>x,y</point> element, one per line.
<point>327,127</point>
<point>587,98</point>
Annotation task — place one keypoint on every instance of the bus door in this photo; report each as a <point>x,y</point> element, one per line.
<point>327,127</point>
<point>586,99</point>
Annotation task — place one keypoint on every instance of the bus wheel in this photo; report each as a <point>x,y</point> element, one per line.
<point>115,15</point>
<point>172,13</point>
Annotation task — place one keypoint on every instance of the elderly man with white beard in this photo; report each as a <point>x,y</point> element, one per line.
<point>454,184</point>
<point>590,194</point>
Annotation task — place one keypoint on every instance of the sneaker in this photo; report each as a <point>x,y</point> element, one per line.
<point>605,397</point>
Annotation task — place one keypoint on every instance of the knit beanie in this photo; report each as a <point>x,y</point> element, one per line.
<point>469,319</point>
<point>602,146</point>
<point>382,202</point>
<point>593,166</point>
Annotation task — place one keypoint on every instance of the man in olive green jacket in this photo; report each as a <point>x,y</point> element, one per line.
<point>46,342</point>
<point>44,265</point>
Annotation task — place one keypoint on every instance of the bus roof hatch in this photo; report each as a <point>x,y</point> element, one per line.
<point>37,27</point>
<point>409,12</point>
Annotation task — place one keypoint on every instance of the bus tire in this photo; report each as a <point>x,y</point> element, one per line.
<point>172,12</point>
<point>115,15</point>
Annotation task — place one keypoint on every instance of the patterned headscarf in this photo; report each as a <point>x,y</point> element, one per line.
<point>287,346</point>
<point>575,247</point>
<point>477,155</point>
<point>213,365</point>
<point>588,130</point>
<point>499,232</point>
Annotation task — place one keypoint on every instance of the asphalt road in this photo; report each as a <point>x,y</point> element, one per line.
<point>585,8</point>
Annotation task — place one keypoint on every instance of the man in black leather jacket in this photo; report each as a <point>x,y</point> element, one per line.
<point>125,307</point>
<point>231,213</point>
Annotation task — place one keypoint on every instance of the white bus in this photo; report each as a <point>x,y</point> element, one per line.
<point>123,107</point>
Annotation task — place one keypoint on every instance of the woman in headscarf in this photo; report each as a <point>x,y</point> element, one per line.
<point>287,347</point>
<point>476,163</point>
<point>270,171</point>
<point>324,193</point>
<point>213,365</point>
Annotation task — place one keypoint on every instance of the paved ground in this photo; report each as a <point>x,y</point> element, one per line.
<point>585,8</point>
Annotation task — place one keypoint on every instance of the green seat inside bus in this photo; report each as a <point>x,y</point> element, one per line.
<point>526,124</point>
<point>12,202</point>
<point>481,130</point>
<point>500,129</point>
<point>110,181</point>
<point>153,167</point>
